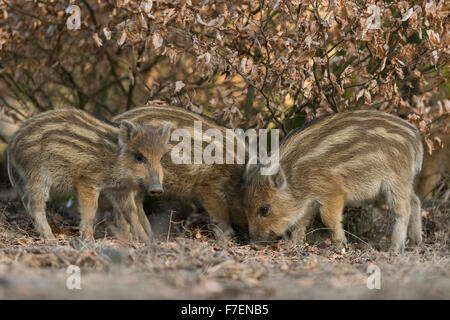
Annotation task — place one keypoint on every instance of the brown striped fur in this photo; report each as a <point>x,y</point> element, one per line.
<point>346,158</point>
<point>217,186</point>
<point>69,150</point>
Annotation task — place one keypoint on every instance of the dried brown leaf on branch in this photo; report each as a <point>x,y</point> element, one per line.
<point>248,63</point>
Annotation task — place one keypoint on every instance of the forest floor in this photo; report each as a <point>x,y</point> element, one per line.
<point>190,261</point>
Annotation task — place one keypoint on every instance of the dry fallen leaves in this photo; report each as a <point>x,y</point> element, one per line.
<point>268,69</point>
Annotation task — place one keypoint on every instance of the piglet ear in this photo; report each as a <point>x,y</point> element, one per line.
<point>164,131</point>
<point>127,131</point>
<point>277,179</point>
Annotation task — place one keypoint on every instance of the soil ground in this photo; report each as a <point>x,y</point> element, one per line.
<point>191,260</point>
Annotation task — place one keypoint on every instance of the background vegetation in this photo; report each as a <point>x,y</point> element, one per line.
<point>255,63</point>
<point>247,63</point>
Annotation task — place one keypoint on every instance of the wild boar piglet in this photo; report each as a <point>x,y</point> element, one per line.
<point>217,186</point>
<point>342,159</point>
<point>69,150</point>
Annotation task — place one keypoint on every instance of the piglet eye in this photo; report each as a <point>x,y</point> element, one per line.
<point>264,211</point>
<point>138,157</point>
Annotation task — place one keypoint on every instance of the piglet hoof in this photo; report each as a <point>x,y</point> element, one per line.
<point>415,239</point>
<point>123,232</point>
<point>124,236</point>
<point>340,242</point>
<point>148,240</point>
<point>144,238</point>
<point>45,232</point>
<point>87,235</point>
<point>397,249</point>
<point>149,233</point>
